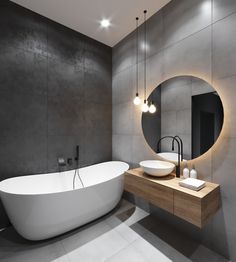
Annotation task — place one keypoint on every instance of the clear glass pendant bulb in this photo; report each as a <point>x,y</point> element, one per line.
<point>137,100</point>
<point>152,109</point>
<point>145,107</point>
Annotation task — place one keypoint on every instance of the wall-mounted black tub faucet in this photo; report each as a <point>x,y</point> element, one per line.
<point>179,142</point>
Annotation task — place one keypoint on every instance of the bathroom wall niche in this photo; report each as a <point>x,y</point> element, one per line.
<point>187,107</point>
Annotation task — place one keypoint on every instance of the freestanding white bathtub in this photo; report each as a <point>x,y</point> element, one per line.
<point>44,206</point>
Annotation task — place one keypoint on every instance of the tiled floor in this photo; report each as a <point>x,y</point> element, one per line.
<point>126,234</point>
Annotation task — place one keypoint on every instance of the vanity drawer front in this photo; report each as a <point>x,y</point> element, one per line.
<point>158,195</point>
<point>188,208</point>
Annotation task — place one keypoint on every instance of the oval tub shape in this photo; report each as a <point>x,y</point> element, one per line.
<point>46,205</point>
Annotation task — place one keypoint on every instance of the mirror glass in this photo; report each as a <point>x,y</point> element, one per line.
<point>187,107</point>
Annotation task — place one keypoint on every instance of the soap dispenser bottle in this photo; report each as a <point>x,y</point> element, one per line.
<point>193,172</point>
<point>186,171</point>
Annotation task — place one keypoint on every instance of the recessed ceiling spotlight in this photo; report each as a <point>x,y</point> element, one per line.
<point>105,23</point>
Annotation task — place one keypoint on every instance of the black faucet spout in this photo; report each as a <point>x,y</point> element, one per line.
<point>179,142</point>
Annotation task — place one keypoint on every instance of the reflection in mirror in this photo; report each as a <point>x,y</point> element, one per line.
<point>187,107</point>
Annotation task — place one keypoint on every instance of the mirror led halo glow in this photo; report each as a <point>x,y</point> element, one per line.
<point>105,23</point>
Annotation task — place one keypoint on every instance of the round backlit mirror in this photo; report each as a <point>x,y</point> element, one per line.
<point>189,109</point>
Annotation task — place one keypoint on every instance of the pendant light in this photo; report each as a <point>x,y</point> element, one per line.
<point>145,106</point>
<point>137,100</point>
<point>152,108</point>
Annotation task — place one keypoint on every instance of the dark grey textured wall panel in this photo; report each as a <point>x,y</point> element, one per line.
<point>55,93</point>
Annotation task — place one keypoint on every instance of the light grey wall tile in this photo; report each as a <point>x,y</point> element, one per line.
<point>122,123</point>
<point>223,163</point>
<point>124,53</point>
<point>223,8</point>
<point>122,148</point>
<point>155,29</point>
<point>184,122</point>
<point>185,17</point>
<point>141,150</point>
<point>224,47</point>
<point>155,71</point>
<point>203,165</point>
<point>123,87</point>
<point>137,120</point>
<point>168,123</point>
<point>192,56</point>
<point>201,87</point>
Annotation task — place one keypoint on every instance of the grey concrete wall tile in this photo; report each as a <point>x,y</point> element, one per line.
<point>137,120</point>
<point>201,87</point>
<point>62,44</point>
<point>124,54</point>
<point>66,116</point>
<point>122,148</point>
<point>141,150</point>
<point>21,28</point>
<point>184,122</point>
<point>22,72</point>
<point>98,119</point>
<point>185,17</point>
<point>123,88</point>
<point>22,114</point>
<point>98,148</point>
<point>168,123</point>
<point>22,155</point>
<point>192,56</point>
<point>155,29</point>
<point>97,87</point>
<point>155,71</point>
<point>223,8</point>
<point>65,79</point>
<point>203,165</point>
<point>224,47</point>
<point>97,56</point>
<point>122,115</point>
<point>223,164</point>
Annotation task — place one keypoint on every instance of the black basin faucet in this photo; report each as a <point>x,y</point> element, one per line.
<point>180,148</point>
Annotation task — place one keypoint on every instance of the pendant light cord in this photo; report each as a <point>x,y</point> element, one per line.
<point>137,55</point>
<point>145,53</point>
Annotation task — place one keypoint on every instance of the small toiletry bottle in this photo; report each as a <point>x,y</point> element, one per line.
<point>193,172</point>
<point>185,171</point>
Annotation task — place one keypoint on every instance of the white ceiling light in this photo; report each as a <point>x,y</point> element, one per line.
<point>105,23</point>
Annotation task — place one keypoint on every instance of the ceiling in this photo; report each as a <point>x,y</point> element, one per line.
<point>84,15</point>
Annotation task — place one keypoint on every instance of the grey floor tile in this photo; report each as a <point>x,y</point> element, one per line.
<point>100,248</point>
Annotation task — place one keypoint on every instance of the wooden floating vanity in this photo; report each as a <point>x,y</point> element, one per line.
<point>196,207</point>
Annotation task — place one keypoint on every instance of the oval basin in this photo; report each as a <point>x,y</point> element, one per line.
<point>156,167</point>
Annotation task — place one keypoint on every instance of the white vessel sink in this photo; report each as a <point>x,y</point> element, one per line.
<point>157,168</point>
<point>170,156</point>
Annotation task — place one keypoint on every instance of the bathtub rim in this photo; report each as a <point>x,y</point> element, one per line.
<point>60,192</point>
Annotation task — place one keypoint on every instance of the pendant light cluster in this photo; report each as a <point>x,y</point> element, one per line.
<point>145,106</point>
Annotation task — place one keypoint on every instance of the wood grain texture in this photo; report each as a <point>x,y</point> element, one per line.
<point>196,207</point>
